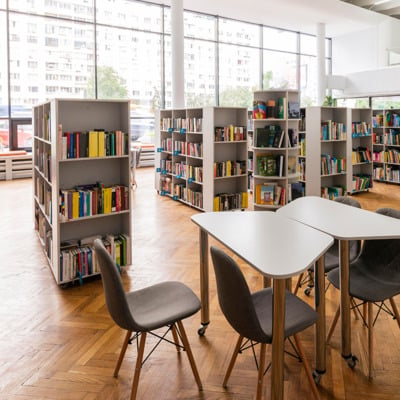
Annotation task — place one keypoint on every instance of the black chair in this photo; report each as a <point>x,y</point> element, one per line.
<point>373,278</point>
<point>332,255</point>
<point>250,315</point>
<point>143,311</point>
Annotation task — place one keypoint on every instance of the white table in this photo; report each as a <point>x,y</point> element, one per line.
<point>277,247</point>
<point>344,223</point>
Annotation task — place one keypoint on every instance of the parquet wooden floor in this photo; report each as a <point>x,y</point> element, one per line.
<point>61,343</point>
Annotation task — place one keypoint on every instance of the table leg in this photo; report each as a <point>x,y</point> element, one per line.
<point>278,339</point>
<point>345,298</point>
<point>320,326</point>
<point>204,287</point>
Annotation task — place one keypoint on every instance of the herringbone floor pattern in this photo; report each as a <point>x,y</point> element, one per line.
<point>61,344</point>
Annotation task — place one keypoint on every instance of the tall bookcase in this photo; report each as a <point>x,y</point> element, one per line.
<point>202,157</point>
<point>386,145</point>
<point>275,147</point>
<point>81,186</point>
<point>250,160</point>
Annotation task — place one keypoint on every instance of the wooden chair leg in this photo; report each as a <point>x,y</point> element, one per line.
<point>189,354</point>
<point>365,311</point>
<point>333,325</point>
<point>395,311</point>
<point>353,303</point>
<point>138,366</point>
<point>261,368</point>
<point>370,340</point>
<point>298,283</point>
<point>176,338</point>
<point>306,367</point>
<point>122,353</point>
<point>233,360</point>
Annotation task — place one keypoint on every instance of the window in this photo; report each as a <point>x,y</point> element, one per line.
<point>199,26</point>
<point>279,39</point>
<point>279,70</point>
<point>239,32</point>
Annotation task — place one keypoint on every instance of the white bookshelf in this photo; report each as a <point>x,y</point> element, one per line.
<point>186,156</point>
<point>386,146</point>
<point>286,153</point>
<point>54,174</point>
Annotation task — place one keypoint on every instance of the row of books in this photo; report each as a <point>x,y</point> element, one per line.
<point>194,124</point>
<point>302,145</point>
<point>165,184</point>
<point>391,138</point>
<point>271,109</point>
<point>270,136</point>
<point>229,133</point>
<point>387,156</point>
<point>361,182</point>
<point>361,155</point>
<point>270,165</point>
<point>331,130</point>
<point>392,119</point>
<point>331,165</point>
<point>166,165</point>
<point>360,129</point>
<point>302,169</point>
<point>387,173</point>
<point>96,143</point>
<point>184,148</point>
<point>331,192</point>
<point>43,194</point>
<point>270,194</point>
<point>229,168</point>
<point>188,195</point>
<point>78,258</point>
<point>231,201</point>
<point>379,173</point>
<point>43,158</point>
<point>92,199</point>
<point>45,232</point>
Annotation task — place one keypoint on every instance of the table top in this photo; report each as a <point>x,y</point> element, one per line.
<point>276,246</point>
<point>342,221</point>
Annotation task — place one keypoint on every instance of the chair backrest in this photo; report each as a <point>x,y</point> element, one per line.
<point>383,255</point>
<point>114,292</point>
<point>235,298</point>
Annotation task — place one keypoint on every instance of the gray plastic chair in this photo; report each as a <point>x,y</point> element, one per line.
<point>373,278</point>
<point>250,315</point>
<point>161,305</point>
<point>332,255</point>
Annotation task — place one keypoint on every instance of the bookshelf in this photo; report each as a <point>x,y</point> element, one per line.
<point>198,169</point>
<point>81,183</point>
<point>250,160</point>
<point>276,116</point>
<point>386,145</point>
<point>302,157</point>
<point>359,151</point>
<point>326,147</point>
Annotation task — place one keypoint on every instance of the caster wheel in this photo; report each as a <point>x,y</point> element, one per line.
<point>317,377</point>
<point>307,291</point>
<point>351,361</point>
<point>202,330</point>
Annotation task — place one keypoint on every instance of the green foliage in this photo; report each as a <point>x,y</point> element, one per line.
<point>329,101</point>
<point>236,97</point>
<point>109,84</point>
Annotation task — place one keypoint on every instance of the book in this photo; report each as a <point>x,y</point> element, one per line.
<point>292,165</point>
<point>293,109</point>
<point>262,137</point>
<point>265,193</point>
<point>281,107</point>
<point>93,144</point>
<point>293,138</point>
<point>267,165</point>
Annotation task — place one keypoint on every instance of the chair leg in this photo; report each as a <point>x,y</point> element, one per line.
<point>353,303</point>
<point>122,353</point>
<point>189,354</point>
<point>138,367</point>
<point>176,338</point>
<point>395,311</point>
<point>261,368</point>
<point>298,283</point>
<point>333,325</point>
<point>306,367</point>
<point>370,340</point>
<point>233,360</point>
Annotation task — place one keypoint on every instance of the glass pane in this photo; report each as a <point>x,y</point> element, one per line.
<point>362,102</point>
<point>167,20</point>
<point>3,67</point>
<point>142,130</point>
<point>308,81</point>
<point>328,46</point>
<point>4,135</point>
<point>77,10</point>
<point>387,102</point>
<point>394,58</point>
<point>168,72</point>
<point>199,73</point>
<point>129,66</point>
<point>24,133</point>
<point>239,75</point>
<point>130,14</point>
<point>239,32</point>
<point>49,58</point>
<point>280,71</point>
<point>3,4</point>
<point>199,26</point>
<point>308,45</point>
<point>278,39</point>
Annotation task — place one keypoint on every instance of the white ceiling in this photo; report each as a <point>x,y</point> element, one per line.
<point>298,15</point>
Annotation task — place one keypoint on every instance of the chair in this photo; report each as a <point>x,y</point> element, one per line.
<point>332,255</point>
<point>250,315</point>
<point>143,311</point>
<point>373,278</point>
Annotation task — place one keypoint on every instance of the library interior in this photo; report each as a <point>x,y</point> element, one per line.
<point>199,199</point>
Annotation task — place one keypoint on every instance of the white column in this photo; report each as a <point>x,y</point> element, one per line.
<point>321,72</point>
<point>177,48</point>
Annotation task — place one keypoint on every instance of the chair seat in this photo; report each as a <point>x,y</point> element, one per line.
<point>369,285</point>
<point>298,315</point>
<point>162,304</point>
